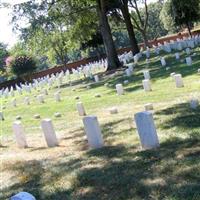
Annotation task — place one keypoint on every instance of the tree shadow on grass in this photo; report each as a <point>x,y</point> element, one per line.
<point>28,178</point>
<point>116,173</point>
<point>152,174</point>
<point>180,115</point>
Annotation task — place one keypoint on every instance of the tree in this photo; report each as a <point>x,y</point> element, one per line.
<point>112,57</point>
<point>185,12</point>
<point>44,35</point>
<point>77,17</point>
<point>140,22</point>
<point>167,19</point>
<point>3,55</point>
<point>129,26</point>
<point>155,28</point>
<point>117,7</point>
<point>23,66</point>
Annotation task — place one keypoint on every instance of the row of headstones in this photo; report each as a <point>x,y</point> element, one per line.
<point>144,122</point>
<point>102,64</point>
<point>119,87</point>
<point>86,71</point>
<point>188,60</point>
<point>147,84</point>
<point>41,98</point>
<point>178,45</point>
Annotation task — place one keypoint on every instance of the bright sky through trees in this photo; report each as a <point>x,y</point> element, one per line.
<point>6,34</point>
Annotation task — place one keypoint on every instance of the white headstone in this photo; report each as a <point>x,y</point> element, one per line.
<point>188,61</point>
<point>163,62</point>
<point>14,102</point>
<point>23,196</point>
<point>126,82</point>
<point>96,78</point>
<point>19,134</point>
<point>27,101</point>
<point>128,72</point>
<point>113,110</point>
<point>81,109</point>
<point>177,55</point>
<point>45,92</point>
<point>1,116</point>
<point>93,131</point>
<point>188,51</point>
<point>194,103</point>
<point>120,90</point>
<point>146,130</point>
<point>57,96</point>
<point>172,75</point>
<point>49,133</point>
<point>178,80</point>
<point>40,98</point>
<point>146,75</point>
<point>146,85</point>
<point>148,106</point>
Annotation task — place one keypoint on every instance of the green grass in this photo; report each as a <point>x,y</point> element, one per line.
<point>120,170</point>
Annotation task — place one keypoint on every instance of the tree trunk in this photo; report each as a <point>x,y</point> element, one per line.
<point>189,29</point>
<point>145,40</point>
<point>129,26</point>
<point>112,58</point>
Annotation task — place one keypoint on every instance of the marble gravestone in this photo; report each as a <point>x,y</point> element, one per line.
<point>57,97</point>
<point>188,61</point>
<point>146,130</point>
<point>49,133</point>
<point>146,74</point>
<point>178,80</point>
<point>19,134</point>
<point>96,78</point>
<point>120,90</point>
<point>146,85</point>
<point>23,196</point>
<point>40,98</point>
<point>81,109</point>
<point>93,131</point>
<point>163,62</point>
<point>194,103</point>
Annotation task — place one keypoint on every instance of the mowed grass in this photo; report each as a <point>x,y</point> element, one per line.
<point>120,170</point>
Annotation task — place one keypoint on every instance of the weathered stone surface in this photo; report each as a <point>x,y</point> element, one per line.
<point>81,109</point>
<point>93,131</point>
<point>23,196</point>
<point>178,80</point>
<point>113,110</point>
<point>146,85</point>
<point>37,116</point>
<point>57,114</point>
<point>146,130</point>
<point>49,133</point>
<point>120,90</point>
<point>19,134</point>
<point>148,107</point>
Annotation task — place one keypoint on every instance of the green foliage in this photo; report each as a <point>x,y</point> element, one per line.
<point>3,55</point>
<point>167,19</point>
<point>23,65</point>
<point>185,12</point>
<point>19,49</point>
<point>155,26</point>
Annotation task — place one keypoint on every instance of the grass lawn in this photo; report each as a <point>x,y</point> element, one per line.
<point>120,170</point>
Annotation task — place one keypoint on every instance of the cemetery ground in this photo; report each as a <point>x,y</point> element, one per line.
<point>120,170</point>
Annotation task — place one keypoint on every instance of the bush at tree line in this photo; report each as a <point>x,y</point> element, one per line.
<point>23,65</point>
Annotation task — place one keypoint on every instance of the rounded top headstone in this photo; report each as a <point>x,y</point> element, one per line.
<point>23,196</point>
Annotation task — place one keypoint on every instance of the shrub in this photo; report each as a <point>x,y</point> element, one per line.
<point>23,65</point>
